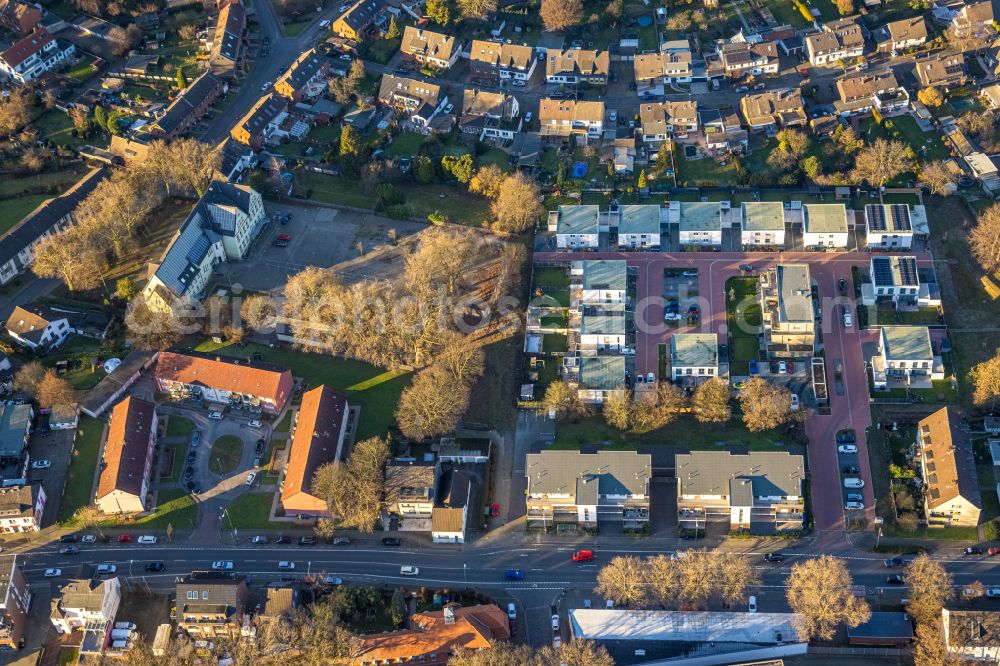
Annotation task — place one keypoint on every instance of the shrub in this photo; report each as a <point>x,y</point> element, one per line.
<point>398,212</point>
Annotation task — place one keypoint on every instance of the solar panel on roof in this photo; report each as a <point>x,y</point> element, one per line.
<point>900,217</point>
<point>883,274</point>
<point>908,271</point>
<point>876,217</point>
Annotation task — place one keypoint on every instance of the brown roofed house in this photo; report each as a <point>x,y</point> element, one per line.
<point>490,115</point>
<point>211,603</point>
<point>560,118</point>
<point>902,34</point>
<point>126,467</point>
<point>306,77</point>
<point>318,439</point>
<point>433,636</point>
<point>19,17</point>
<point>739,59</point>
<point>662,120</point>
<point>429,47</point>
<point>840,40</point>
<point>358,18</point>
<point>774,108</point>
<point>421,100</point>
<point>951,487</point>
<point>861,94</point>
<point>942,72</point>
<point>653,70</point>
<point>229,41</point>
<point>260,122</point>
<point>224,380</point>
<point>492,60</point>
<point>577,66</point>
<point>37,326</point>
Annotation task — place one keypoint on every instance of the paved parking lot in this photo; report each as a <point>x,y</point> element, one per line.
<point>318,236</point>
<point>57,448</point>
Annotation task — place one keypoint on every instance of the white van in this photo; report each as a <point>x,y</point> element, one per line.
<point>215,416</point>
<point>147,539</point>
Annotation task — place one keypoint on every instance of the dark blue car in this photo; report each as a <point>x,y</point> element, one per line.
<point>514,574</point>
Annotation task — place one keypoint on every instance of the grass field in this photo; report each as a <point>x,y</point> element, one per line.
<point>405,145</point>
<point>251,511</point>
<point>226,453</point>
<point>174,507</point>
<point>80,478</point>
<point>374,389</point>
<point>178,426</point>
<point>176,463</point>
<point>554,342</point>
<point>744,319</point>
<point>551,278</point>
<point>13,211</point>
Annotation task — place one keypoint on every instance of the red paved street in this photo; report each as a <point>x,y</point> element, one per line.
<point>850,410</point>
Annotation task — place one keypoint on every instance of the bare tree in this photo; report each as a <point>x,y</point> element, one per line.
<point>432,404</point>
<point>54,390</point>
<point>124,40</point>
<point>477,10</point>
<point>488,181</point>
<point>353,490</point>
<point>930,589</point>
<point>711,401</point>
<point>663,580</point>
<point>882,161</point>
<point>462,357</point>
<point>974,590</point>
<point>80,117</point>
<point>764,405</point>
<point>345,88</point>
<point>575,652</point>
<point>936,177</point>
<point>442,258</point>
<point>561,14</point>
<point>985,378</point>
<point>623,580</point>
<point>929,648</point>
<point>73,256</point>
<point>257,312</point>
<point>150,327</point>
<point>29,378</point>
<point>564,400</point>
<point>15,111</point>
<point>618,409</point>
<point>658,408</point>
<point>500,653</point>
<point>819,590</point>
<point>517,208</point>
<point>984,239</point>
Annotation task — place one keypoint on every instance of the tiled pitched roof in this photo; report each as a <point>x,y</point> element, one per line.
<point>779,106</point>
<point>302,70</point>
<point>260,116</point>
<point>947,451</point>
<point>444,519</point>
<point>229,32</point>
<point>475,627</point>
<point>26,47</point>
<point>28,321</point>
<point>391,86</point>
<point>513,56</point>
<point>427,43</point>
<point>569,110</point>
<point>126,447</point>
<point>321,417</point>
<point>17,501</point>
<point>225,373</point>
<point>186,102</point>
<point>577,61</point>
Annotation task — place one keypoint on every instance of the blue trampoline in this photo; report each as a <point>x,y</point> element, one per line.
<point>579,170</point>
<point>645,21</point>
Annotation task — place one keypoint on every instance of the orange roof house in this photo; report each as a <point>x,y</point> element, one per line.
<point>224,380</point>
<point>318,439</point>
<point>128,457</point>
<point>434,636</point>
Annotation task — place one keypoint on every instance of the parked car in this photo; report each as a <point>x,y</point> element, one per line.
<point>69,550</point>
<point>280,539</point>
<point>555,619</point>
<point>650,378</point>
<point>527,117</point>
<point>89,538</point>
<point>849,469</point>
<point>511,611</point>
<point>774,557</point>
<point>342,541</point>
<point>583,556</point>
<point>124,538</point>
<point>855,497</point>
<point>215,416</point>
<point>993,550</point>
<point>267,84</point>
<point>146,539</point>
<point>893,562</point>
<point>259,541</point>
<point>847,448</point>
<point>41,464</point>
<point>155,566</point>
<point>408,570</point>
<point>514,574</point>
<point>973,550</point>
<point>285,564</point>
<point>854,506</point>
<point>854,483</point>
<point>748,268</point>
<point>254,424</point>
<point>494,510</point>
<point>222,565</point>
<point>752,604</point>
<point>848,321</point>
<point>895,579</point>
<point>846,437</point>
<point>195,439</point>
<point>67,538</point>
<point>795,403</point>
<point>993,592</point>
<point>391,541</point>
<point>306,541</point>
<point>53,573</point>
<point>250,478</point>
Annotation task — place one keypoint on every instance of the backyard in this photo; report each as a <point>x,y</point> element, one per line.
<point>743,317</point>
<point>80,478</point>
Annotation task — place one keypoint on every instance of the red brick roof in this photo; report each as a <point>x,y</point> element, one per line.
<point>225,373</point>
<point>126,448</point>
<point>321,418</point>
<point>26,47</point>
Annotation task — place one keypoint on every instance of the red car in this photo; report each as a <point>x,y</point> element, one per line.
<point>124,539</point>
<point>494,510</point>
<point>283,237</point>
<point>583,556</point>
<point>993,550</point>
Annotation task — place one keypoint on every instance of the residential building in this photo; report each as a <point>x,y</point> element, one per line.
<point>724,132</point>
<point>224,380</point>
<point>763,224</point>
<point>575,66</point>
<point>724,637</point>
<point>943,72</point>
<point>358,18</point>
<point>228,48</point>
<point>15,601</point>
<point>694,356</point>
<point>19,17</point>
<point>433,636</point>
<point>15,427</point>
<point>188,107</point>
<point>31,56</point>
<point>505,62</point>
<point>584,489</point>
<point>279,602</point>
<point>973,22</point>
<point>576,226</point>
<point>448,524</point>
<point>261,121</point>
<point>888,226</point>
<point>86,602</point>
<point>624,159</point>
<point>562,117</point>
<point>773,109</point>
<point>824,226</point>
<point>602,327</point>
<point>905,358</point>
<point>742,58</point>
<point>127,463</point>
<point>639,227</point>
<point>759,491</point>
<point>699,222</point>
<point>37,326</point>
<point>211,603</point>
<point>21,508</point>
<point>664,120</point>
<point>894,279</point>
<point>972,636</point>
<point>785,294</point>
<point>418,100</point>
<point>305,78</point>
<point>840,40</point>
<point>871,92</point>
<point>654,71</point>
<point>219,228</point>
<point>883,629</point>
<point>599,376</point>
<point>317,439</point>
<point>490,115</point>
<point>903,34</point>
<point>602,281</point>
<point>410,488</point>
<point>948,470</point>
<point>430,48</point>
<point>50,217</point>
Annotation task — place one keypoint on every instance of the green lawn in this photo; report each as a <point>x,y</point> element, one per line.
<point>382,50</point>
<point>945,533</point>
<point>285,424</point>
<point>61,180</point>
<point>82,466</point>
<point>178,426</point>
<point>555,321</point>
<point>226,453</point>
<point>743,317</point>
<point>82,71</point>
<point>406,144</point>
<point>374,389</point>
<point>555,277</point>
<point>554,342</point>
<point>786,13</point>
<point>174,507</point>
<point>13,211</point>
<point>295,29</point>
<point>250,511</point>
<point>921,317</point>
<point>85,377</point>
<point>496,157</point>
<point>177,463</point>
<point>705,171</point>
<point>927,145</point>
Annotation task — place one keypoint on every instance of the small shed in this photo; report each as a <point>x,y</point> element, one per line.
<point>842,192</point>
<point>883,629</point>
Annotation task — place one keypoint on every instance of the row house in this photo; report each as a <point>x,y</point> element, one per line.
<point>694,357</point>
<point>840,40</point>
<point>785,294</point>
<point>577,66</point>
<point>20,17</point>
<point>951,486</point>
<point>211,604</point>
<point>762,224</point>
<point>698,222</point>
<point>654,71</point>
<point>563,117</point>
<point>21,508</point>
<point>602,327</point>
<point>317,439</point>
<point>305,77</point>
<point>943,72</point>
<point>661,121</point>
<point>224,380</point>
<point>358,18</point>
<point>899,35</point>
<point>430,48</point>
<point>228,49</point>
<point>31,56</point>
<point>867,92</point>
<point>127,463</point>
<point>601,280</point>
<point>639,227</point>
<point>421,102</point>
<point>742,59</point>
<point>15,601</point>
<point>490,115</point>
<point>261,122</point>
<point>773,109</point>
<point>501,62</point>
<point>188,107</point>
<point>576,226</point>
<point>85,603</point>
<point>599,377</point>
